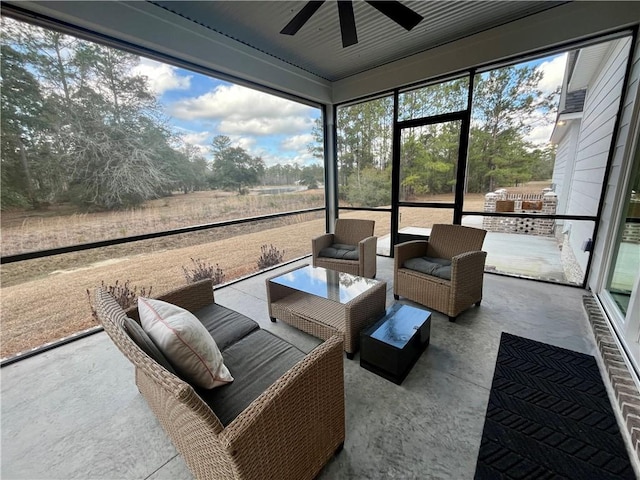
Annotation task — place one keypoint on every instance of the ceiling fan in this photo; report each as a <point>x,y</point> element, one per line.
<point>397,12</point>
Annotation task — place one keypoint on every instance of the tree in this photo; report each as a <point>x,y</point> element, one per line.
<point>22,106</point>
<point>102,140</point>
<point>504,101</point>
<point>233,168</point>
<point>312,175</point>
<point>433,100</point>
<point>193,171</point>
<point>372,188</point>
<point>118,151</point>
<point>429,159</point>
<point>308,178</point>
<point>316,147</point>
<point>364,140</point>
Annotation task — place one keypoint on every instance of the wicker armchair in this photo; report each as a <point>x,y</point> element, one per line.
<point>349,232</point>
<point>461,245</point>
<point>289,431</point>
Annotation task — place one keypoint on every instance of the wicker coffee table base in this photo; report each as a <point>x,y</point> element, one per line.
<point>324,318</point>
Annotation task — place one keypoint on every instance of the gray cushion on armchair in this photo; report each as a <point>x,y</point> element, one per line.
<point>340,250</point>
<point>438,267</point>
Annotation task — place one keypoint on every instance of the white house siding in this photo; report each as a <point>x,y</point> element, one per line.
<point>598,121</point>
<point>563,166</point>
<point>617,179</point>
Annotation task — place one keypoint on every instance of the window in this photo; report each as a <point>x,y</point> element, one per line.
<point>364,153</point>
<point>437,99</point>
<point>102,144</point>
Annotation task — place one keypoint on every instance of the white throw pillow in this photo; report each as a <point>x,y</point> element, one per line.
<point>183,339</point>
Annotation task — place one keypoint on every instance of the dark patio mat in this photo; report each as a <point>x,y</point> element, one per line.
<point>549,417</point>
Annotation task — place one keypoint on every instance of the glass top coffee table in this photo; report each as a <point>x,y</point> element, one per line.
<point>324,302</point>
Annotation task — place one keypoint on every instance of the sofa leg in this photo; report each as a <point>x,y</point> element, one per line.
<point>396,297</point>
<point>350,355</point>
<point>339,449</point>
<point>452,319</point>
<point>273,319</point>
<point>478,303</point>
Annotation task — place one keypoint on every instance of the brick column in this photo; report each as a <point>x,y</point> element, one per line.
<point>489,223</point>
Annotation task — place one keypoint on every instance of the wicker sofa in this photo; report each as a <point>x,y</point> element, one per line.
<point>281,418</point>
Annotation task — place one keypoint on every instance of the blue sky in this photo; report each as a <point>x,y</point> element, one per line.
<point>202,107</point>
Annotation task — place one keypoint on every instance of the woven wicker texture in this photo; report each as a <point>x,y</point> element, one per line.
<point>266,440</point>
<point>349,231</point>
<point>322,317</point>
<point>460,244</point>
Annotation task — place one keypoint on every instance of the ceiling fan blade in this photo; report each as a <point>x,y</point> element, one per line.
<point>301,17</point>
<point>347,23</point>
<point>399,13</point>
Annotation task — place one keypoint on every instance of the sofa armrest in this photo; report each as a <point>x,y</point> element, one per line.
<point>191,297</point>
<point>319,243</point>
<point>304,411</point>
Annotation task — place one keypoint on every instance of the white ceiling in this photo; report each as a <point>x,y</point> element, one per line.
<point>317,47</point>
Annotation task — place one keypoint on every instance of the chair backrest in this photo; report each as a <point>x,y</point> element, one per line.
<point>446,241</point>
<point>350,231</point>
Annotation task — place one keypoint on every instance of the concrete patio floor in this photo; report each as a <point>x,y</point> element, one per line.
<point>74,412</point>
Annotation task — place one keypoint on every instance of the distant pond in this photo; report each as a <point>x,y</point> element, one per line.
<point>277,190</point>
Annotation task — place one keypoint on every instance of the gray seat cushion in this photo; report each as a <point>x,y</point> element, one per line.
<point>256,362</point>
<point>340,251</point>
<point>437,267</point>
<point>226,326</point>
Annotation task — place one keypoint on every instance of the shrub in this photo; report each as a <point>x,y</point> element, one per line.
<point>203,271</point>
<point>269,256</point>
<point>125,294</point>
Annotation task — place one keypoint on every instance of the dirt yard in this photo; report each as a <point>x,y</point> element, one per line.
<point>46,299</point>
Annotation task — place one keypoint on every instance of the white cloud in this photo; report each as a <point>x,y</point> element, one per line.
<point>162,77</point>
<point>246,143</point>
<point>553,71</point>
<point>297,142</point>
<point>196,138</point>
<point>243,111</point>
<point>540,135</point>
<point>265,126</point>
<point>304,159</point>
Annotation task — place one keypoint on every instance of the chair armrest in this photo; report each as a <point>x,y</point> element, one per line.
<point>191,297</point>
<point>303,411</point>
<point>468,266</point>
<point>368,241</point>
<point>319,243</point>
<point>367,256</point>
<point>405,251</point>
